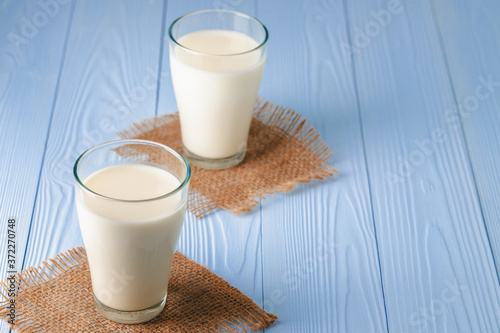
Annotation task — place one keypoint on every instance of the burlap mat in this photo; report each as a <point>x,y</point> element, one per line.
<point>282,151</point>
<point>57,297</point>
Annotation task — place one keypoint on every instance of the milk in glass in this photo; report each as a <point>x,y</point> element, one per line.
<point>216,80</point>
<point>130,245</point>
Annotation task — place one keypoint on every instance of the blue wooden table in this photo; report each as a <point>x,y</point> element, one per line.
<point>406,238</point>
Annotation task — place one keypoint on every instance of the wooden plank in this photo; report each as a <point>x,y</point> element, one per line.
<point>109,80</point>
<point>437,266</point>
<point>320,261</point>
<point>470,35</point>
<point>32,38</point>
<point>228,245</point>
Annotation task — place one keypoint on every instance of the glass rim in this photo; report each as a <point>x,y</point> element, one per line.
<point>174,152</point>
<point>234,12</point>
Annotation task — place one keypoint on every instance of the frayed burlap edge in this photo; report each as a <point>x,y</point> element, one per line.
<point>289,125</point>
<point>294,125</point>
<point>32,277</point>
<point>253,317</point>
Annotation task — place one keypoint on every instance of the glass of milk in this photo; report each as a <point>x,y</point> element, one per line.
<point>131,198</point>
<point>216,59</point>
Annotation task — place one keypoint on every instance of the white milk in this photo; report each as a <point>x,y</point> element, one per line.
<point>130,246</point>
<point>216,93</point>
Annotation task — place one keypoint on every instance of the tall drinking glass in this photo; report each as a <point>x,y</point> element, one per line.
<point>217,59</point>
<point>131,198</point>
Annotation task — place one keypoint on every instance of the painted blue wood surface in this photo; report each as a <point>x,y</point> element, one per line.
<point>429,224</point>
<point>470,38</point>
<point>323,274</point>
<point>405,239</point>
<point>31,54</point>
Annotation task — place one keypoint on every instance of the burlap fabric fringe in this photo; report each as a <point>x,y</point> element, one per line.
<point>282,151</point>
<point>57,297</point>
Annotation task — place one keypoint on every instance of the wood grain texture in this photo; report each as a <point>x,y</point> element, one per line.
<point>320,261</point>
<point>29,67</point>
<point>404,239</point>
<point>437,267</point>
<point>228,245</point>
<point>470,35</point>
<point>108,80</point>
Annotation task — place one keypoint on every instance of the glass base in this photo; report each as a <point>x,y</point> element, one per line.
<point>130,317</point>
<point>214,164</point>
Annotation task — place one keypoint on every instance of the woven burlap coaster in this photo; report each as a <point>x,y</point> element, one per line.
<point>57,297</point>
<point>282,151</point>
